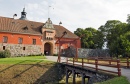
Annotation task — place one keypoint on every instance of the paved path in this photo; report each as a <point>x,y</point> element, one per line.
<point>124,71</point>
<point>54,58</point>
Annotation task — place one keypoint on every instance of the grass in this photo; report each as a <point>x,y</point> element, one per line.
<point>25,73</point>
<point>23,60</point>
<point>28,69</point>
<point>116,80</point>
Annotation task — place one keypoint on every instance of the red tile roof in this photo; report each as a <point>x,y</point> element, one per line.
<point>29,27</point>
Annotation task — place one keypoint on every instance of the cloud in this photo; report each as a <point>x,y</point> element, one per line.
<point>72,13</point>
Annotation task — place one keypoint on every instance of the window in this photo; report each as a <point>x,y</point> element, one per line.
<point>34,41</point>
<point>23,48</point>
<point>20,40</point>
<point>5,39</point>
<point>3,47</point>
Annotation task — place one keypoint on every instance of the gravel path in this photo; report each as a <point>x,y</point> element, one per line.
<point>124,71</point>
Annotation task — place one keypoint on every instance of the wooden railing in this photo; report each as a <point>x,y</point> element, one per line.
<point>123,62</point>
<point>97,62</point>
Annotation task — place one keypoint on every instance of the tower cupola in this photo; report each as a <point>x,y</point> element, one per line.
<point>23,15</point>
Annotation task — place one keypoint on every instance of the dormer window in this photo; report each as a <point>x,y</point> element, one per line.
<point>25,28</point>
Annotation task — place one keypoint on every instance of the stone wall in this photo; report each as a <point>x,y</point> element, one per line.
<point>22,50</point>
<point>84,53</point>
<point>69,52</point>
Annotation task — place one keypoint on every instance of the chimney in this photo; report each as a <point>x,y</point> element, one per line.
<point>14,16</point>
<point>60,23</point>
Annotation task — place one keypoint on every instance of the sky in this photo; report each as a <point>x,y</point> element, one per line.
<point>72,13</point>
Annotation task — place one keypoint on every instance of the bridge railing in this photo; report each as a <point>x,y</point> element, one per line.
<point>124,62</point>
<point>96,63</point>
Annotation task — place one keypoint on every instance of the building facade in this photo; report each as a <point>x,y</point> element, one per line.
<point>23,37</point>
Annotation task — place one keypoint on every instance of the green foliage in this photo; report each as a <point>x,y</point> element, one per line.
<point>89,34</point>
<point>55,54</point>
<point>115,33</point>
<point>125,42</point>
<point>99,39</point>
<point>116,80</point>
<point>128,18</point>
<point>5,54</point>
<point>118,39</point>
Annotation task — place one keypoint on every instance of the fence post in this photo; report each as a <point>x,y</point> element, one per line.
<point>82,62</point>
<point>96,64</point>
<point>73,61</point>
<point>118,67</point>
<point>127,62</point>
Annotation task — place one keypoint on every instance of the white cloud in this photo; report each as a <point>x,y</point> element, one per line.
<point>72,13</point>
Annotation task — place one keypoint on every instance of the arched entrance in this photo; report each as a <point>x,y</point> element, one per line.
<point>48,49</point>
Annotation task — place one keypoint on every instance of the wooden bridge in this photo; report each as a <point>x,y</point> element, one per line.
<point>92,68</point>
<point>89,67</point>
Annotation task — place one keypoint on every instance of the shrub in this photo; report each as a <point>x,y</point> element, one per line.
<point>55,54</point>
<point>5,54</point>
<point>1,54</point>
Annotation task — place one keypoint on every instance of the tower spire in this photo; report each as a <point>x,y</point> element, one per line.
<point>23,15</point>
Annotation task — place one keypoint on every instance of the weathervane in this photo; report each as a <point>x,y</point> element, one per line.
<point>49,11</point>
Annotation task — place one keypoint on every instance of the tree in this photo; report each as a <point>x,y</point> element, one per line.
<point>125,39</point>
<point>99,39</point>
<point>114,32</point>
<point>79,32</point>
<point>90,34</point>
<point>128,18</point>
<point>87,41</point>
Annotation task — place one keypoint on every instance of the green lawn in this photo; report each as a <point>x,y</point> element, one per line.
<point>42,60</point>
<point>116,80</point>
<point>22,60</point>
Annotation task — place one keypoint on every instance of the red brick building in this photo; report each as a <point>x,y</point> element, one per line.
<point>24,37</point>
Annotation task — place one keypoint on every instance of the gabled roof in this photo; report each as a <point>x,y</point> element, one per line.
<point>19,26</point>
<point>29,27</point>
<point>61,29</point>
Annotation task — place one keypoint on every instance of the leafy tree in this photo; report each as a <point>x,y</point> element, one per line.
<point>125,39</point>
<point>79,32</point>
<point>128,18</point>
<point>87,41</point>
<point>114,32</point>
<point>99,39</point>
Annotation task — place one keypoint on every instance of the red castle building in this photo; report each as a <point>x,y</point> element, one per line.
<point>24,37</point>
